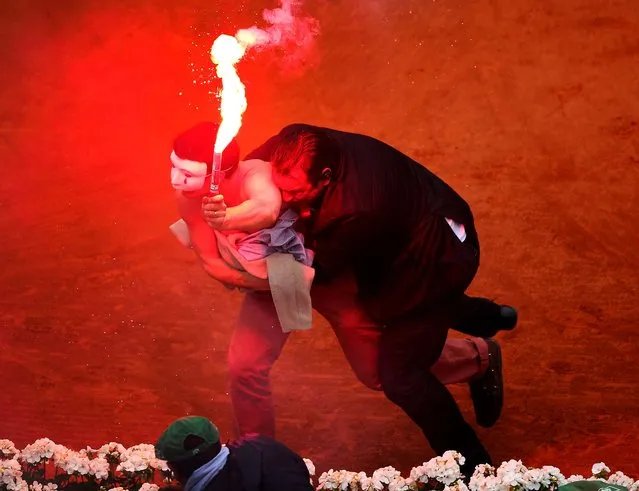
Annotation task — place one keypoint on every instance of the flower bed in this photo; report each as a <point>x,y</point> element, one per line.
<point>47,466</point>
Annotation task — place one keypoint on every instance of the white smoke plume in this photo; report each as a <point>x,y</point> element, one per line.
<point>289,29</point>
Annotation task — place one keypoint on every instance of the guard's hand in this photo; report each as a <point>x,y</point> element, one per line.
<point>214,211</point>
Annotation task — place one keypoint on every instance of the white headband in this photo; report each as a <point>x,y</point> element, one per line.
<point>192,166</point>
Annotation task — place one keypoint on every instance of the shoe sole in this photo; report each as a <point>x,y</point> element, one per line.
<point>500,369</point>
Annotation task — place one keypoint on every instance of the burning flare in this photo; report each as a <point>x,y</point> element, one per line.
<point>285,29</point>
<point>225,53</point>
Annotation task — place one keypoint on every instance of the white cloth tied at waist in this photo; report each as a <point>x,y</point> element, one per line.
<point>277,254</point>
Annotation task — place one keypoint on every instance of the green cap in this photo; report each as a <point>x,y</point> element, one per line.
<point>591,486</point>
<point>170,445</point>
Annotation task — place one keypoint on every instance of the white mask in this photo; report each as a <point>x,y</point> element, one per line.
<point>187,175</point>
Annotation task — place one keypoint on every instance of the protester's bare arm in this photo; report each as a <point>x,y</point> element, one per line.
<point>262,207</point>
<point>204,244</point>
<point>259,211</point>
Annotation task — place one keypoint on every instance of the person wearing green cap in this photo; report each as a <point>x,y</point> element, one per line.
<point>193,451</point>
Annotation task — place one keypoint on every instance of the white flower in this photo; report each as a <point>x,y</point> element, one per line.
<point>39,450</point>
<point>365,482</point>
<point>8,450</point>
<point>344,480</point>
<point>11,476</point>
<point>398,483</point>
<point>99,468</point>
<point>143,449</point>
<point>480,482</point>
<point>112,449</point>
<point>444,469</point>
<point>139,458</point>
<point>61,457</point>
<point>117,489</point>
<point>78,464</point>
<point>18,485</point>
<point>554,475</point>
<point>384,476</point>
<point>621,479</point>
<point>484,470</point>
<point>419,474</point>
<point>133,464</point>
<point>634,487</point>
<point>535,479</point>
<point>458,486</point>
<point>484,479</point>
<point>348,480</point>
<point>159,464</point>
<point>10,472</point>
<point>71,462</point>
<point>575,477</point>
<point>329,480</point>
<point>600,470</point>
<point>149,487</point>
<point>512,473</point>
<point>10,468</point>
<point>36,486</point>
<point>546,478</point>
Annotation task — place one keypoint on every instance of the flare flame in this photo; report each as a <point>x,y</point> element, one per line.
<point>225,53</point>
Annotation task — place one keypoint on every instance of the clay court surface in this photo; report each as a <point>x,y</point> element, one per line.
<point>530,108</point>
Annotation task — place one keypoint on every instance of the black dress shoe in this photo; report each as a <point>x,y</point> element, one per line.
<point>508,317</point>
<point>487,392</point>
<point>482,318</point>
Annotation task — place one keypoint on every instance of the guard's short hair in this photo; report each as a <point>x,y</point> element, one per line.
<point>306,149</point>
